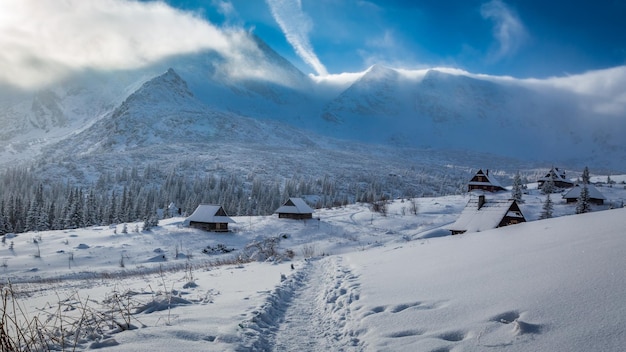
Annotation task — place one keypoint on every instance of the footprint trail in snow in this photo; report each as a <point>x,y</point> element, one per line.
<point>310,311</point>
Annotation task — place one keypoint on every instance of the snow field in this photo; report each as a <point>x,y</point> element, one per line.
<point>542,286</point>
<point>372,283</point>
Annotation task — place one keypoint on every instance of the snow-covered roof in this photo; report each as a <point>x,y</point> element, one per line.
<point>474,218</point>
<point>575,193</point>
<point>295,206</point>
<point>490,180</point>
<point>208,213</point>
<point>556,175</point>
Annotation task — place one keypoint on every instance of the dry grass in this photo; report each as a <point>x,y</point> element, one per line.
<point>73,324</point>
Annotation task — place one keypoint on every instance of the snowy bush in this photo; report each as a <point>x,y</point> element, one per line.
<point>266,250</point>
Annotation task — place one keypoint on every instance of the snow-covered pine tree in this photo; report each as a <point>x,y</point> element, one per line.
<point>74,210</point>
<point>53,220</point>
<point>112,215</point>
<point>14,214</point>
<point>31,217</point>
<point>3,220</point>
<point>516,191</point>
<point>150,222</point>
<point>547,208</point>
<point>582,204</point>
<point>585,176</point>
<point>548,186</point>
<point>90,211</point>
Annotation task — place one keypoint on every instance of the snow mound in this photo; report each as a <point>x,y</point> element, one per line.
<point>164,302</point>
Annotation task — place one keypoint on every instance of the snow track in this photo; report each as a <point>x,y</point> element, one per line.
<point>310,311</point>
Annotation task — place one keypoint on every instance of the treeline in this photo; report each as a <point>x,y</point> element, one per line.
<point>31,203</point>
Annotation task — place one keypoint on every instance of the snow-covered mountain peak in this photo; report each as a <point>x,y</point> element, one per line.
<point>161,89</point>
<point>379,73</point>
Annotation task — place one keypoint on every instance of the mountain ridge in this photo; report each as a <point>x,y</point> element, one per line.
<point>383,106</point>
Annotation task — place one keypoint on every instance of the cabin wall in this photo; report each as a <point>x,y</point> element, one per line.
<point>209,226</point>
<point>595,201</point>
<point>489,188</point>
<point>508,220</point>
<point>295,216</point>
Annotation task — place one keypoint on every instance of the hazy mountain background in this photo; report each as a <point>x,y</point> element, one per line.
<point>194,109</point>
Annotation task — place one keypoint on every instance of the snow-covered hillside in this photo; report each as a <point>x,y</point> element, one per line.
<point>358,281</point>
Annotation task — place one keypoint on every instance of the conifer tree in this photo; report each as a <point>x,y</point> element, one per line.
<point>582,204</point>
<point>3,219</point>
<point>585,176</point>
<point>516,191</point>
<point>31,218</point>
<point>52,218</point>
<point>548,186</point>
<point>548,207</point>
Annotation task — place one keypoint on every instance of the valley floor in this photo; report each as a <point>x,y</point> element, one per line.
<point>359,281</point>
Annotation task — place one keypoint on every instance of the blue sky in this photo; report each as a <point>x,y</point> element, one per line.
<point>44,41</point>
<point>521,38</point>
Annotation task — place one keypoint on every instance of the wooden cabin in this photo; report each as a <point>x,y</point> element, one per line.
<point>209,217</point>
<point>484,181</point>
<point>595,196</point>
<point>481,214</point>
<point>295,208</point>
<point>558,177</point>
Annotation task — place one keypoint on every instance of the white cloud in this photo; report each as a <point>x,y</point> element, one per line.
<point>602,90</point>
<point>598,92</point>
<point>508,30</point>
<point>344,79</point>
<point>224,7</point>
<point>296,25</point>
<point>43,40</point>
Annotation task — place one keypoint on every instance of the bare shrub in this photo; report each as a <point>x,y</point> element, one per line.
<point>308,250</point>
<point>65,327</point>
<point>379,207</point>
<point>413,207</point>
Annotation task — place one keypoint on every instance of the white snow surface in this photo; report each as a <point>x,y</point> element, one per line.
<point>360,281</point>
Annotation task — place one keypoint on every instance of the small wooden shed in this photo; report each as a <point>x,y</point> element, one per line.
<point>595,196</point>
<point>484,181</point>
<point>295,208</point>
<point>481,214</point>
<point>209,217</point>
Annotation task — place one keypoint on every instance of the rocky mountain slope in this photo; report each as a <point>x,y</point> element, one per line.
<point>203,100</point>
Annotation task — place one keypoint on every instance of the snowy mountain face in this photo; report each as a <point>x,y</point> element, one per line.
<point>203,103</point>
<point>32,121</point>
<point>164,126</point>
<point>450,111</point>
<point>163,113</point>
